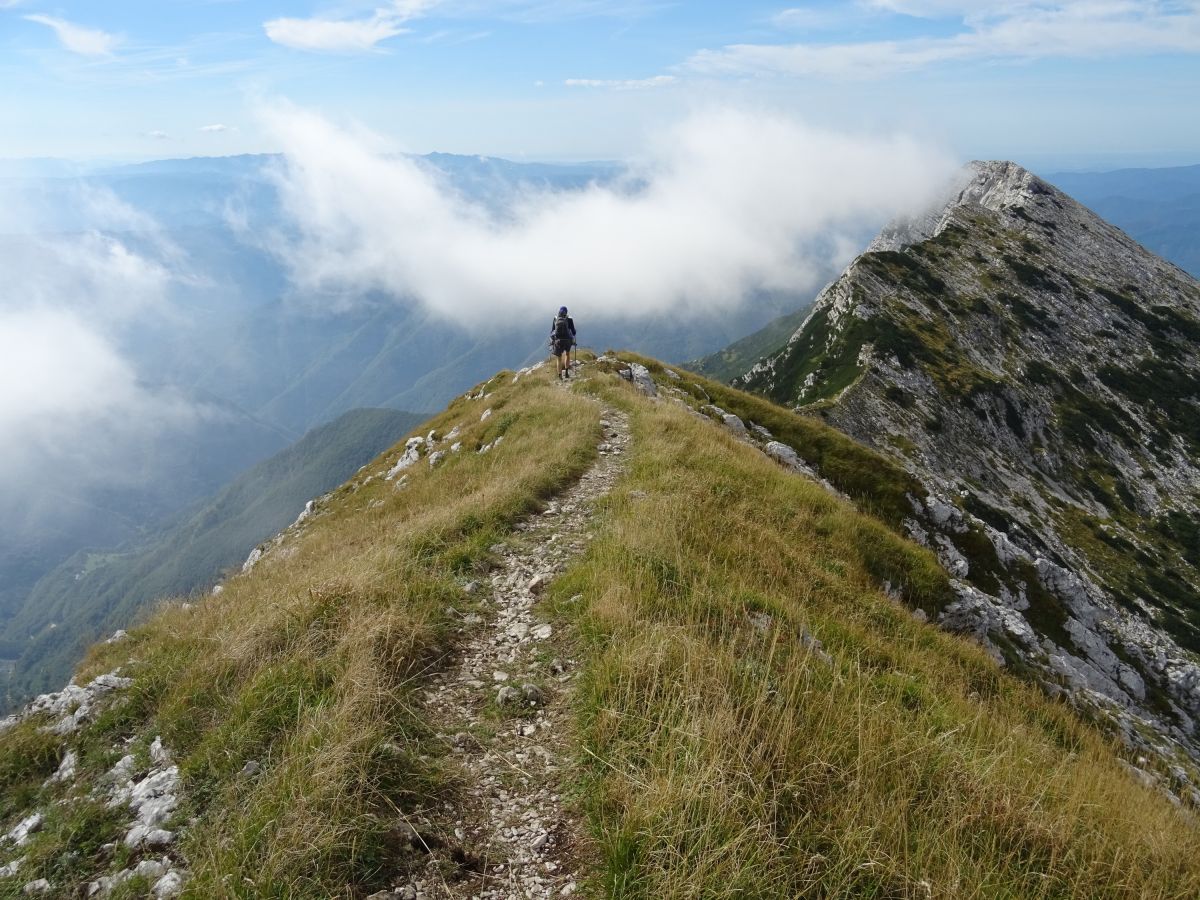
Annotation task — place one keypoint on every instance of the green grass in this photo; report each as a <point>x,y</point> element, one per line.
<point>738,357</point>
<point>721,760</point>
<point>719,754</point>
<point>870,478</point>
<point>311,664</point>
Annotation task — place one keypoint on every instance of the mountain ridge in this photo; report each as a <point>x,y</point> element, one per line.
<point>1039,371</point>
<point>715,663</point>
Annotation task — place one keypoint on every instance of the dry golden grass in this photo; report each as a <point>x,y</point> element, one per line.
<point>722,754</point>
<point>725,758</point>
<point>310,664</point>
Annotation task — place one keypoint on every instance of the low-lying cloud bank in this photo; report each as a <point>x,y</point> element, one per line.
<point>72,405</point>
<point>74,408</point>
<point>724,204</point>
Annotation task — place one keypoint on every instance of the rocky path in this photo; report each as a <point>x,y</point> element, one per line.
<point>504,711</point>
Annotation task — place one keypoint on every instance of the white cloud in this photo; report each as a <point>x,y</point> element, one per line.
<point>635,84</point>
<point>347,35</point>
<point>158,135</point>
<point>77,39</point>
<point>936,9</point>
<point>989,31</point>
<point>92,272</point>
<point>344,36</point>
<point>412,9</point>
<point>215,128</point>
<point>70,404</point>
<point>72,407</point>
<point>539,12</point>
<point>807,18</point>
<point>724,204</point>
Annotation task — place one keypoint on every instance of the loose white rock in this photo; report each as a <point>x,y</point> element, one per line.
<point>145,836</point>
<point>784,454</point>
<point>158,753</point>
<point>642,379</point>
<point>10,869</point>
<point>733,423</point>
<point>151,869</point>
<point>170,885</point>
<point>252,560</point>
<point>19,833</point>
<point>123,768</point>
<point>412,452</point>
<point>66,769</point>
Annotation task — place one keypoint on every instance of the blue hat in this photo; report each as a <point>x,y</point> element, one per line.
<point>562,310</point>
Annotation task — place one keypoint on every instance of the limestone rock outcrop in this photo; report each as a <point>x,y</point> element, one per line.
<point>1039,372</point>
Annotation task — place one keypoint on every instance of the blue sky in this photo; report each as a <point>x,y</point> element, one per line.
<point>1070,84</point>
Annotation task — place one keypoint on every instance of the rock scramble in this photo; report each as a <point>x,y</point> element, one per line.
<point>503,709</point>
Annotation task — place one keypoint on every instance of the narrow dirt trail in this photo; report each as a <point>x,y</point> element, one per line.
<point>505,710</point>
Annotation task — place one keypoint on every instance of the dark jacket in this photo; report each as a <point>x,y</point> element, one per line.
<point>554,329</point>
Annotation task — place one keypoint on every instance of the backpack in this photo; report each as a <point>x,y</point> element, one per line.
<point>562,329</point>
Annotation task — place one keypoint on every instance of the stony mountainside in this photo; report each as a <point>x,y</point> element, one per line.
<point>1159,208</point>
<point>1039,372</point>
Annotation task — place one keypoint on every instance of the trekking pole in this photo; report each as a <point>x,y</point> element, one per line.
<point>574,353</point>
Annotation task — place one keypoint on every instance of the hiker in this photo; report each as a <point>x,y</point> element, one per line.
<point>562,338</point>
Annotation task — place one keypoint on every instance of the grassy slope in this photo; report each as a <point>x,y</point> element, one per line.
<point>190,555</point>
<point>721,755</point>
<point>727,760</point>
<point>738,357</point>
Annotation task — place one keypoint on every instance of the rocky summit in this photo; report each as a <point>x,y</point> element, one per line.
<point>1039,373</point>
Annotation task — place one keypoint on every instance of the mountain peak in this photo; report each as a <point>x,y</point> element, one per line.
<point>1000,184</point>
<point>995,185</point>
<point>1039,371</point>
